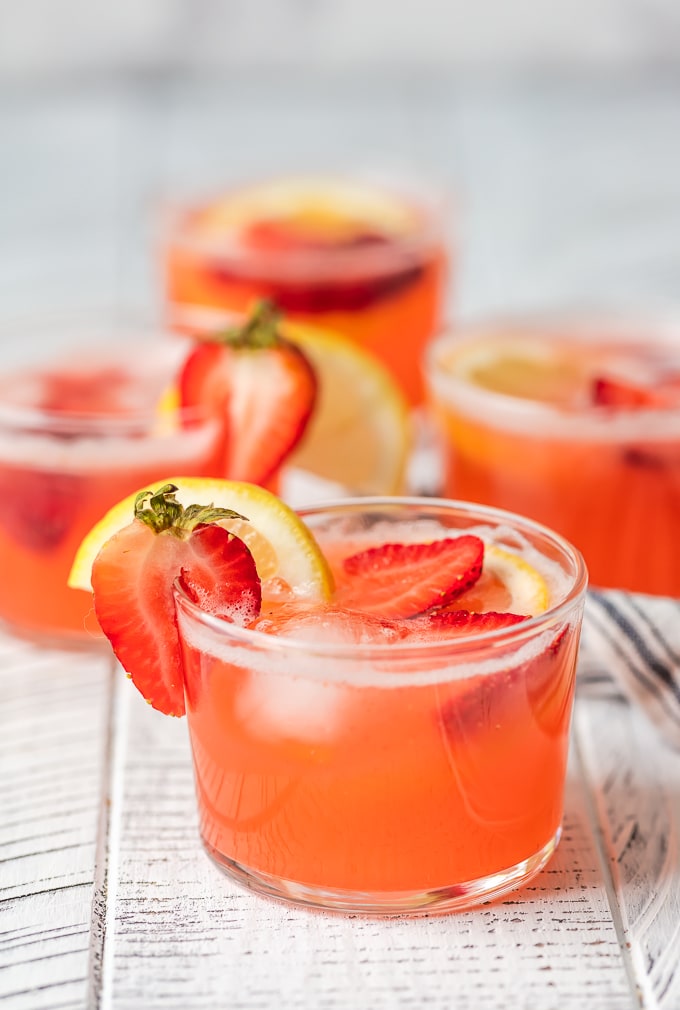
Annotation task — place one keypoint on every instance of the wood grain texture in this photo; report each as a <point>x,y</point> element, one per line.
<point>53,732</point>
<point>185,936</point>
<point>124,911</point>
<point>635,782</point>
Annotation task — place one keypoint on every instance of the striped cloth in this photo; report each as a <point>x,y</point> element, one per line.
<point>633,641</point>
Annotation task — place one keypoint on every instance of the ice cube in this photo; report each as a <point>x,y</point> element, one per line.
<point>283,707</point>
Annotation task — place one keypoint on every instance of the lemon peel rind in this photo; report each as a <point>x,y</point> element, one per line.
<point>301,564</point>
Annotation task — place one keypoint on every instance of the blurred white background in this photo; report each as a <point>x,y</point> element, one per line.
<point>42,38</point>
<point>556,125</point>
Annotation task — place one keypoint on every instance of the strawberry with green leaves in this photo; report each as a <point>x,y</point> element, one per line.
<point>264,385</point>
<point>133,576</point>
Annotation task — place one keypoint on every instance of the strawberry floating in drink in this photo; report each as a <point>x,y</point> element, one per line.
<point>403,580</point>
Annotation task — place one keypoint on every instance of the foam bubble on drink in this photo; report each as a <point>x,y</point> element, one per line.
<point>579,420</point>
<point>138,433</point>
<point>331,626</point>
<point>405,665</point>
<point>240,612</point>
<point>330,650</point>
<point>86,454</point>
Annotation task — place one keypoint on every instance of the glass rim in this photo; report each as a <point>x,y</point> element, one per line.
<point>453,647</point>
<point>586,422</point>
<point>431,201</point>
<point>152,422</point>
<point>140,349</point>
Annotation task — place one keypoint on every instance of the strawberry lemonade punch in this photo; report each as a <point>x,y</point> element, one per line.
<point>575,423</point>
<point>378,691</point>
<point>81,430</point>
<point>357,256</point>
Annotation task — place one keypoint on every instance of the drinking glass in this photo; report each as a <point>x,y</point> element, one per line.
<point>79,430</point>
<point>360,255</point>
<point>535,435</point>
<point>412,777</point>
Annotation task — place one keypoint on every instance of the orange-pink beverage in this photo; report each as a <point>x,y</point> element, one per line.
<point>576,424</point>
<point>356,256</point>
<point>354,762</point>
<point>76,436</point>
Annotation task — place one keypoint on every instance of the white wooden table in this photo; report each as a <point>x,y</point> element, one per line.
<point>570,192</point>
<point>107,900</point>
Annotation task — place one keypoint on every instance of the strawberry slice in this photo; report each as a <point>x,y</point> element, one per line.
<point>264,384</point>
<point>466,622</point>
<point>132,580</point>
<point>626,394</point>
<point>403,580</point>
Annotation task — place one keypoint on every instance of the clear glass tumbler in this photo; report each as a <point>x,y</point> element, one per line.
<point>79,430</point>
<point>361,255</point>
<point>574,421</point>
<point>412,777</point>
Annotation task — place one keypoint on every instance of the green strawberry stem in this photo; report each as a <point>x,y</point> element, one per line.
<point>260,330</point>
<point>161,511</point>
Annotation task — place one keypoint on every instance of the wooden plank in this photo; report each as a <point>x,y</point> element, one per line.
<point>186,937</point>
<point>635,780</point>
<point>53,741</point>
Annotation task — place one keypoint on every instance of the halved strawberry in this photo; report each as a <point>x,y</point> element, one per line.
<point>608,391</point>
<point>403,580</point>
<point>132,580</point>
<point>263,383</point>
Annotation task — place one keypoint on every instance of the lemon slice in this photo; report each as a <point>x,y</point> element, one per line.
<point>360,433</point>
<point>515,365</point>
<point>528,589</point>
<point>320,201</point>
<point>507,583</point>
<point>285,552</point>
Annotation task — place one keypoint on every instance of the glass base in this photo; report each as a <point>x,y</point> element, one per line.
<point>435,902</point>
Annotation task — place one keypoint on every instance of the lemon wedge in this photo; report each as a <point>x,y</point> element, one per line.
<point>285,552</point>
<point>360,433</point>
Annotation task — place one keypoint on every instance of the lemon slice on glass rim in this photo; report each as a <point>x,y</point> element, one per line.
<point>285,552</point>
